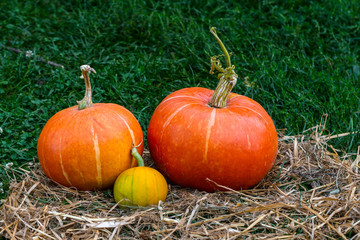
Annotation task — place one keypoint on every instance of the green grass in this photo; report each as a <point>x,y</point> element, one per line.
<point>302,56</point>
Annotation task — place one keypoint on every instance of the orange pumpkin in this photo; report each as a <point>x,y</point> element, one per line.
<point>88,146</point>
<point>140,186</point>
<point>212,140</point>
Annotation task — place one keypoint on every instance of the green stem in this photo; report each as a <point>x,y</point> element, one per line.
<point>137,156</point>
<point>222,46</point>
<point>86,102</point>
<point>227,76</point>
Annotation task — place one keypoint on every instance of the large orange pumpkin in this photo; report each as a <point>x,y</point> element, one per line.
<point>211,140</point>
<point>88,146</point>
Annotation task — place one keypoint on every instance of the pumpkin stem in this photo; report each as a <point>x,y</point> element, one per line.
<point>227,76</point>
<point>86,102</point>
<point>137,156</point>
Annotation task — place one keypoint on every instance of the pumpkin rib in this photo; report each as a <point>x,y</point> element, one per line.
<point>97,156</point>
<point>132,185</point>
<point>211,123</point>
<point>73,128</point>
<point>120,119</point>
<point>146,181</point>
<point>180,96</point>
<point>233,96</point>
<point>124,118</point>
<point>78,126</point>
<point>156,190</point>
<point>174,114</point>
<point>252,110</point>
<point>168,120</point>
<point>131,132</point>
<point>54,124</point>
<point>128,127</point>
<point>62,165</point>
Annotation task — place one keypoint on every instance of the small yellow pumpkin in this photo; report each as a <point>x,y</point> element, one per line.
<point>140,186</point>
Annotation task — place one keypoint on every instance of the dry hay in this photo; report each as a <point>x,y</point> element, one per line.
<point>311,193</point>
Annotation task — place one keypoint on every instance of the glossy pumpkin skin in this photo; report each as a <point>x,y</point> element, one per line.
<point>89,148</point>
<point>140,186</point>
<point>235,146</point>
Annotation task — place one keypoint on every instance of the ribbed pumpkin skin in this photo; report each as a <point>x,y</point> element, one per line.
<point>235,146</point>
<point>143,186</point>
<point>89,148</point>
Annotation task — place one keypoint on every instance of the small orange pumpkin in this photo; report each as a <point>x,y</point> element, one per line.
<point>140,186</point>
<point>88,146</point>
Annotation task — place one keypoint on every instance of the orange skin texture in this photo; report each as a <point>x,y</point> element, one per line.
<point>89,148</point>
<point>191,142</point>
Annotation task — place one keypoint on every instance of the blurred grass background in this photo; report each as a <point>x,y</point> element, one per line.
<point>301,58</point>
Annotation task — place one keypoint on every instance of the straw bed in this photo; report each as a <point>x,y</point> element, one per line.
<point>310,193</point>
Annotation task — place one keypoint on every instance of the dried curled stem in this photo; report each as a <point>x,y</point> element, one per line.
<point>86,102</point>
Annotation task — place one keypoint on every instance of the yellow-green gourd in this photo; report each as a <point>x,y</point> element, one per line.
<point>140,186</point>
